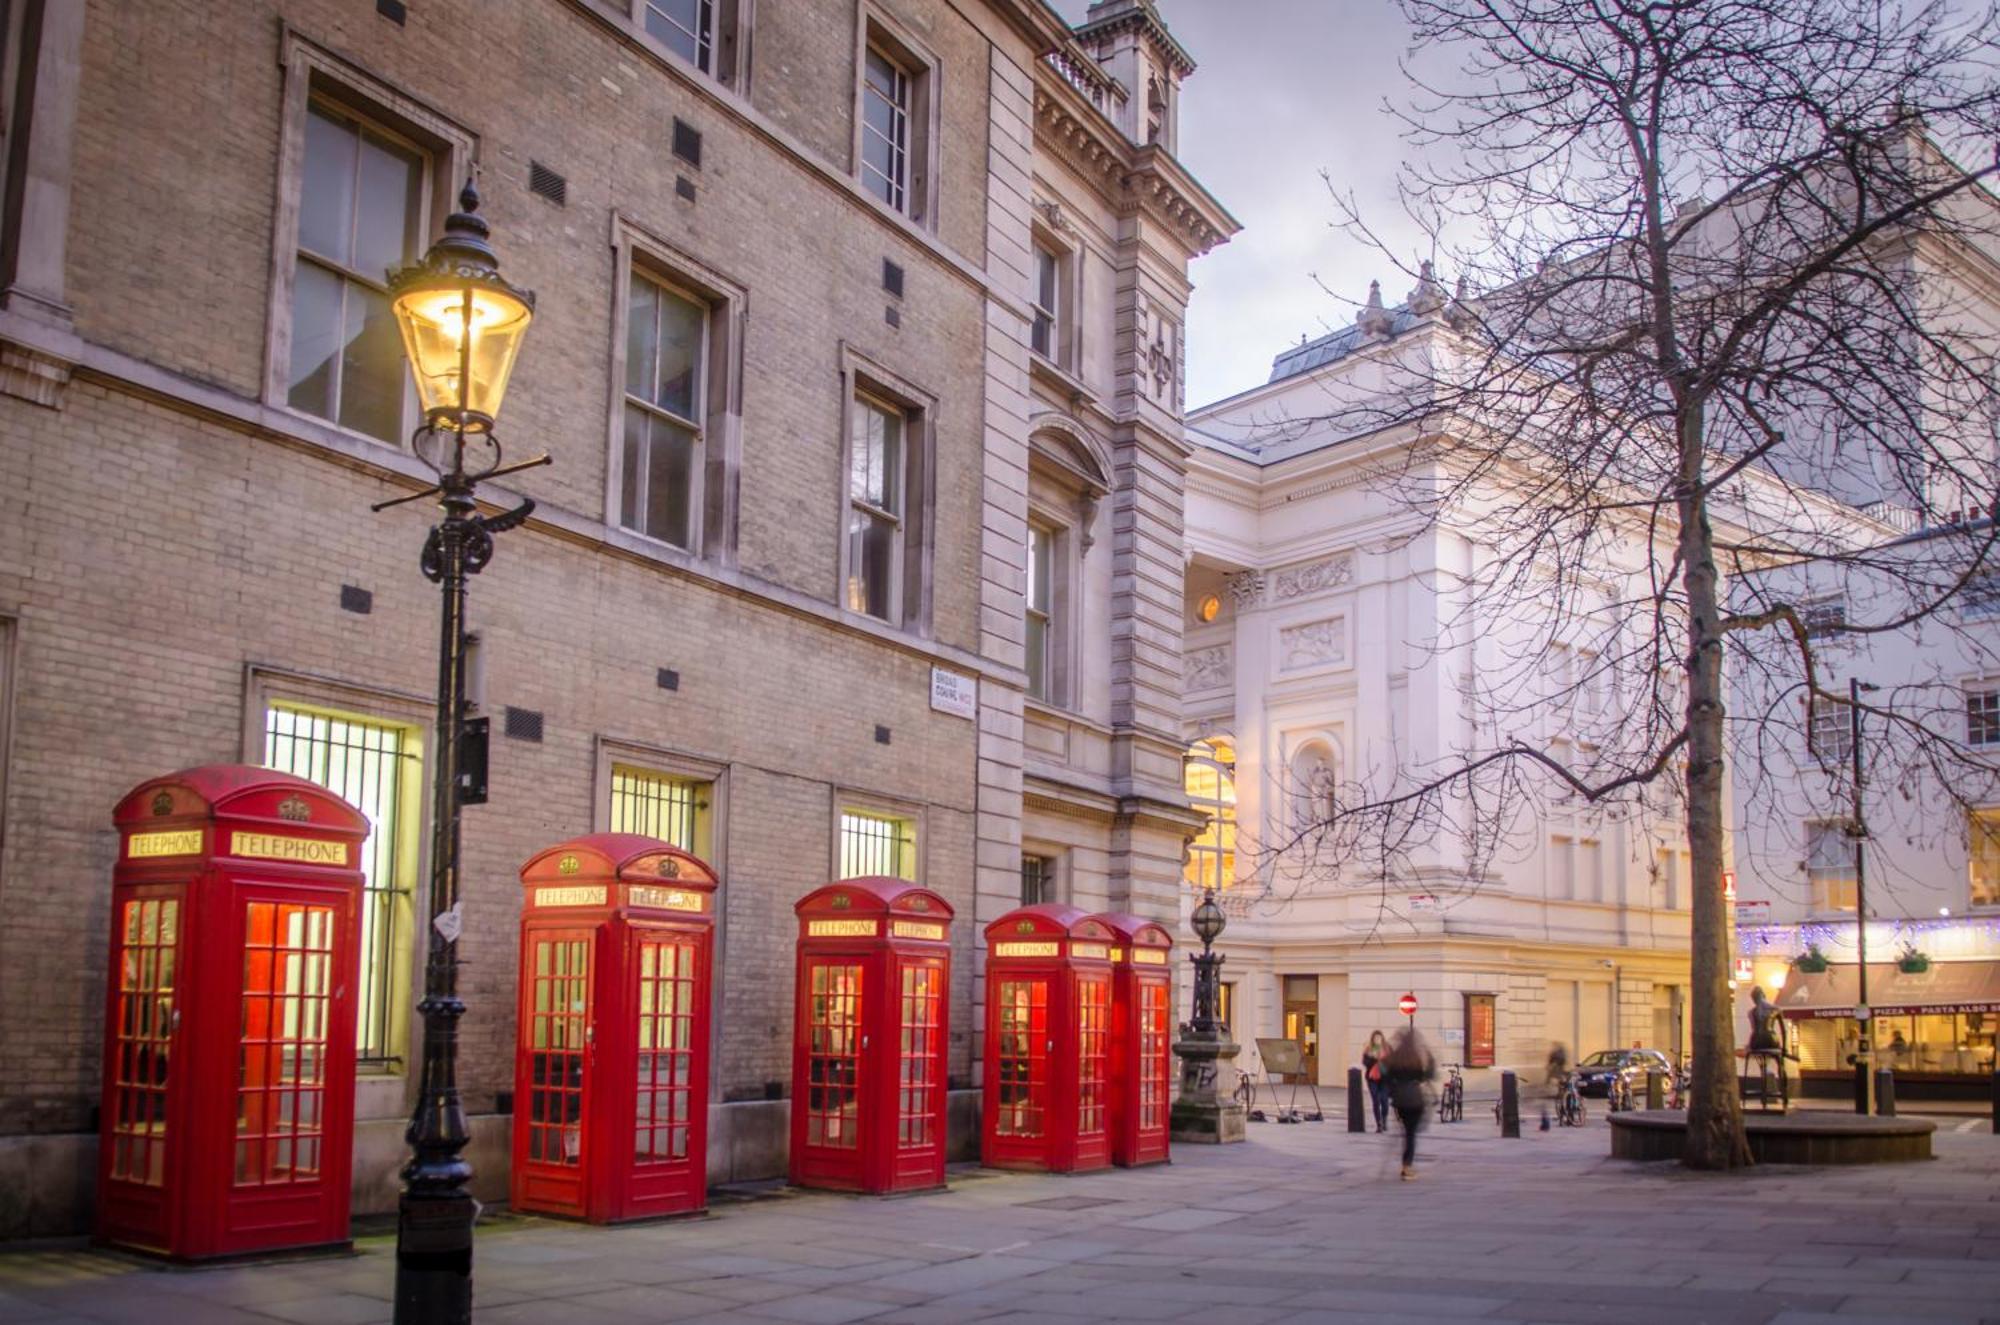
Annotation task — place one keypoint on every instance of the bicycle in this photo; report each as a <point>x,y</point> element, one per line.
<point>1678,1091</point>
<point>1618,1095</point>
<point>1245,1094</point>
<point>1451,1099</point>
<point>1569,1108</point>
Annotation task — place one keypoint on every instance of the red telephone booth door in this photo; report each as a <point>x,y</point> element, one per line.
<point>919,1148</point>
<point>1155,1072</point>
<point>1093,1069</point>
<point>831,1033</point>
<point>147,1087</point>
<point>555,1063</point>
<point>670,1083</point>
<point>1020,1021</point>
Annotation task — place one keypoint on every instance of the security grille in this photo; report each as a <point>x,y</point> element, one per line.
<point>363,763</point>
<point>657,805</point>
<point>876,844</point>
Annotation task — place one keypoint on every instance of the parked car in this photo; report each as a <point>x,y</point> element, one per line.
<point>1594,1074</point>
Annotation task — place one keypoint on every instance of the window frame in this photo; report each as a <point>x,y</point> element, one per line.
<point>711,824</point>
<point>267,687</point>
<point>1220,811</point>
<point>1051,873</point>
<point>451,150</point>
<point>911,566</point>
<point>1818,709</point>
<point>1973,815</point>
<point>732,24</point>
<point>713,515</point>
<point>1817,875</point>
<point>847,801</point>
<point>1974,693</point>
<point>1054,614</point>
<point>1066,488</point>
<point>1065,352</point>
<point>896,45</point>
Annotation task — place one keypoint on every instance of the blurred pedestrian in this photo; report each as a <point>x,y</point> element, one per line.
<point>1555,1075</point>
<point>1378,1088</point>
<point>1408,1066</point>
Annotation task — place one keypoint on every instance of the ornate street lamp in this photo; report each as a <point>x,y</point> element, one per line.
<point>1208,922</point>
<point>462,325</point>
<point>1200,1112</point>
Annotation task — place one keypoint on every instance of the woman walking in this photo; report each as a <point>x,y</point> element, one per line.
<point>1378,1086</point>
<point>1408,1066</point>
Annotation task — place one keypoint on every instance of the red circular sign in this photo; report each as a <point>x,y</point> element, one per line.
<point>1407,1005</point>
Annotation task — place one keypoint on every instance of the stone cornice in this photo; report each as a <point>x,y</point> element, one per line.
<point>1133,179</point>
<point>1141,19</point>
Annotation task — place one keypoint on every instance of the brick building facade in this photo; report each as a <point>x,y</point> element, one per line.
<point>809,413</point>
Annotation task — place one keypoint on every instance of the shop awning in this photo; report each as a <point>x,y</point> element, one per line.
<point>1893,992</point>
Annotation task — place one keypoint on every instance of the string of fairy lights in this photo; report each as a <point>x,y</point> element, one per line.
<point>1834,936</point>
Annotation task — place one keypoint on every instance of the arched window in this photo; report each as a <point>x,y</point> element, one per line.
<point>1210,780</point>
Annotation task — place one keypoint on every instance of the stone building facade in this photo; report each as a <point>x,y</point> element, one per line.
<point>787,363</point>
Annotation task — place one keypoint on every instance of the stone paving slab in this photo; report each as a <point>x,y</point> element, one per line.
<point>1302,1224</point>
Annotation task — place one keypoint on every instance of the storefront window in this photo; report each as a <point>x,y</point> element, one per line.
<point>1210,772</point>
<point>1983,830</point>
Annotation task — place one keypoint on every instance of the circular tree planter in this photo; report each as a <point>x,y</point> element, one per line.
<point>1782,1138</point>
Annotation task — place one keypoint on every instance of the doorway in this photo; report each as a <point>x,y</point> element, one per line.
<point>1302,1023</point>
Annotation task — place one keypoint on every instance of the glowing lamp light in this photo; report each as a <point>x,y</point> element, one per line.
<point>462,323</point>
<point>1207,920</point>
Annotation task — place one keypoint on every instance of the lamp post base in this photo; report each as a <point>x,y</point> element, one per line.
<point>1201,1115</point>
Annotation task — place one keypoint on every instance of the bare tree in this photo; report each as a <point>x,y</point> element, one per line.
<point>1714,321</point>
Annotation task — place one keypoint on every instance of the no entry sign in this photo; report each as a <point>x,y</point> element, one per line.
<point>1407,1005</point>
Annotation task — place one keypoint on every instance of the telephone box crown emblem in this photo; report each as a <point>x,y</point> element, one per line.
<point>668,867</point>
<point>295,809</point>
<point>163,802</point>
<point>920,903</point>
<point>1024,927</point>
<point>568,865</point>
<point>841,902</point>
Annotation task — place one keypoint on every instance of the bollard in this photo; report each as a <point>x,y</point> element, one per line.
<point>1656,1090</point>
<point>1885,1092</point>
<point>1357,1091</point>
<point>1510,1105</point>
<point>1996,1102</point>
<point>1860,1085</point>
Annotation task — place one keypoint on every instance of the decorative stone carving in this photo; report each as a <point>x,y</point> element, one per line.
<point>1207,669</point>
<point>1246,589</point>
<point>1313,577</point>
<point>1312,643</point>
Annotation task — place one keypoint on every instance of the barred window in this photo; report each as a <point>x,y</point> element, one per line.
<point>1038,880</point>
<point>376,767</point>
<point>664,805</point>
<point>1982,717</point>
<point>872,843</point>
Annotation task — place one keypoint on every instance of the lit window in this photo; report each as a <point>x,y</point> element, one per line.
<point>1210,773</point>
<point>1982,717</point>
<point>375,767</point>
<point>1831,733</point>
<point>1048,302</point>
<point>666,369</point>
<point>1830,866</point>
<point>687,27</point>
<point>1041,606</point>
<point>885,128</point>
<point>361,204</point>
<point>872,844</point>
<point>875,508</point>
<point>1038,880</point>
<point>671,808</point>
<point>1983,827</point>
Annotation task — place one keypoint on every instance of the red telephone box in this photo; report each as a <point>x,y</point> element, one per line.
<point>611,1060</point>
<point>868,1057</point>
<point>228,1116</point>
<point>1142,998</point>
<point>1048,1040</point>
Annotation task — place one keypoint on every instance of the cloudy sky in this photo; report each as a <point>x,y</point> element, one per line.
<point>1285,89</point>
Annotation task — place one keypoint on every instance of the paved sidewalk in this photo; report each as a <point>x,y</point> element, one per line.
<point>1304,1223</point>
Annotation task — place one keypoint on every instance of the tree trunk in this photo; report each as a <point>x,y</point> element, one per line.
<point>1715,1138</point>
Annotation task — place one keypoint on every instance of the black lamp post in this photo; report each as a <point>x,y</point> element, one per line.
<point>1208,922</point>
<point>462,325</point>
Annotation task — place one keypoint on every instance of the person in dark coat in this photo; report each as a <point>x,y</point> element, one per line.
<point>1408,1066</point>
<point>1371,1071</point>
